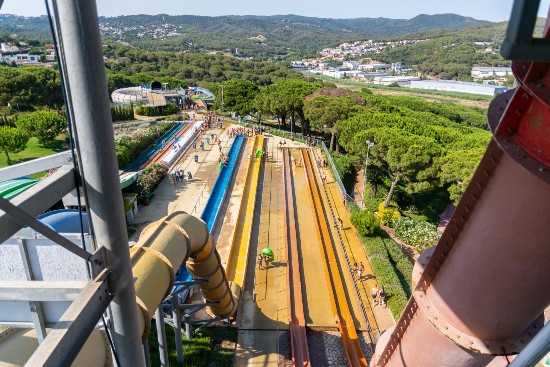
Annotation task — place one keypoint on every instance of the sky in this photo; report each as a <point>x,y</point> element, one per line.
<point>492,10</point>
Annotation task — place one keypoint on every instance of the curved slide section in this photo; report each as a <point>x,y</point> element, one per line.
<point>219,190</point>
<point>163,246</point>
<point>12,188</point>
<point>206,95</point>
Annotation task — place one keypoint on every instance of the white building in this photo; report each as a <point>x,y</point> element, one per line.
<point>454,86</point>
<point>484,72</point>
<point>323,65</point>
<point>352,65</point>
<point>375,67</point>
<point>21,59</point>
<point>8,47</point>
<point>401,80</point>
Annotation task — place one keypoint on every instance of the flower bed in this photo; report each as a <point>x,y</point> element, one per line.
<point>129,146</point>
<point>419,234</point>
<point>148,181</point>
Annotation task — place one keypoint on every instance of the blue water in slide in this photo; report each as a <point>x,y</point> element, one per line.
<point>212,208</point>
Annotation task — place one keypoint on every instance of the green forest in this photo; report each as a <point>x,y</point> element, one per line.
<point>261,37</point>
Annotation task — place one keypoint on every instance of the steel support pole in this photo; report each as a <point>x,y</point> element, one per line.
<point>146,353</point>
<point>81,54</point>
<point>535,350</point>
<point>187,321</point>
<point>161,337</point>
<point>176,318</point>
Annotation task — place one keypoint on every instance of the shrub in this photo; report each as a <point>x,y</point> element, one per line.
<point>388,215</point>
<point>168,109</point>
<point>130,146</point>
<point>122,155</point>
<point>418,233</point>
<point>121,113</point>
<point>148,181</point>
<point>365,222</point>
<point>174,118</point>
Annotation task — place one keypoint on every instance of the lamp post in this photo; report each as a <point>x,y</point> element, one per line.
<point>369,144</point>
<point>223,86</point>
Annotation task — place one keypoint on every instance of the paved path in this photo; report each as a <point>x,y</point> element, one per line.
<point>189,196</point>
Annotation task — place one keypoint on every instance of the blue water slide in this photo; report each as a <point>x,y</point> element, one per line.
<point>211,210</point>
<point>154,148</point>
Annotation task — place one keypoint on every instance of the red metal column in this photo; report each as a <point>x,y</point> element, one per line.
<point>482,291</point>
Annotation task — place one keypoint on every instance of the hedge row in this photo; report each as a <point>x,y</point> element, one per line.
<point>122,113</point>
<point>130,146</point>
<point>393,270</point>
<point>168,109</point>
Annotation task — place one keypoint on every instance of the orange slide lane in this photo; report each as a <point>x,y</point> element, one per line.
<point>298,338</point>
<point>339,302</point>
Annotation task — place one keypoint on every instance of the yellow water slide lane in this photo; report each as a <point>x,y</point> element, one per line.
<point>340,305</point>
<point>236,264</point>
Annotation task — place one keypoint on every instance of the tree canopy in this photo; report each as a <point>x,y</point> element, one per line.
<point>12,140</point>
<point>44,125</point>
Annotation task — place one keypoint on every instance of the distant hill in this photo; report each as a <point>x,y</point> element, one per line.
<point>450,54</point>
<point>252,35</point>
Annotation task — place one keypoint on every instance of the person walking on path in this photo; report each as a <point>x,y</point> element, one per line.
<point>382,296</point>
<point>266,260</point>
<point>341,222</point>
<point>354,270</point>
<point>374,294</point>
<point>360,270</point>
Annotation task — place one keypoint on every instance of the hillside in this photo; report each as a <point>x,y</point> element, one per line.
<point>258,36</point>
<point>451,54</point>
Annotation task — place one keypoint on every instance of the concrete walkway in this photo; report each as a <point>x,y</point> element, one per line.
<point>189,196</point>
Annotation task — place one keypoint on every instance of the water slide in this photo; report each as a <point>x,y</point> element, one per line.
<point>206,95</point>
<point>162,248</point>
<point>138,163</point>
<point>185,137</point>
<point>219,190</point>
<point>298,335</point>
<point>12,188</point>
<point>238,255</point>
<point>340,306</point>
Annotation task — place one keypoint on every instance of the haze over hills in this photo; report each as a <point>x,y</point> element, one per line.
<point>252,35</point>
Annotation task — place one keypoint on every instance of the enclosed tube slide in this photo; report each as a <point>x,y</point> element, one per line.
<point>163,246</point>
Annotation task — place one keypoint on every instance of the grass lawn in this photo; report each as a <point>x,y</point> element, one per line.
<point>210,347</point>
<point>35,150</point>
